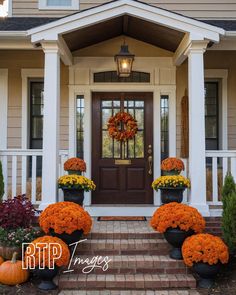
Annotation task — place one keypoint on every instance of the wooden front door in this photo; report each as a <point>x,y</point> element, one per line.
<point>122,172</point>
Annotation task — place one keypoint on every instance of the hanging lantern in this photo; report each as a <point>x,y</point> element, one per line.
<point>124,60</point>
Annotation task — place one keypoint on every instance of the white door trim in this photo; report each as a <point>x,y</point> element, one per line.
<point>26,74</point>
<point>223,75</point>
<point>87,90</point>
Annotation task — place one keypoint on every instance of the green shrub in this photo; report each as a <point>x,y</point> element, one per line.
<point>229,212</point>
<point>1,182</point>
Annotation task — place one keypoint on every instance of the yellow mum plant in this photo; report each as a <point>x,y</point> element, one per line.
<point>171,181</point>
<point>76,182</point>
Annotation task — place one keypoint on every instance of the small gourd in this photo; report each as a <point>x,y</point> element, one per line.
<point>11,272</point>
<point>1,260</point>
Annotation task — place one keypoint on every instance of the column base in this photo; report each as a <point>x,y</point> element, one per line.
<point>202,208</point>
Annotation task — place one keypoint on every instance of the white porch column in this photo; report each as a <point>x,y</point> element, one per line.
<point>51,124</point>
<point>197,166</point>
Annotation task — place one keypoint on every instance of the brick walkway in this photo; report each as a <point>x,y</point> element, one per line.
<point>130,292</point>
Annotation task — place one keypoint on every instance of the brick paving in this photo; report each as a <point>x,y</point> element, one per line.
<point>130,292</point>
<point>139,262</point>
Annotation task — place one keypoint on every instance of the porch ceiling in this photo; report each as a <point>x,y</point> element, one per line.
<point>134,27</point>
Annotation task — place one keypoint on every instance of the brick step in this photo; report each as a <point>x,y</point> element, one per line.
<point>126,282</point>
<point>130,292</point>
<point>124,235</point>
<point>132,264</point>
<point>123,247</point>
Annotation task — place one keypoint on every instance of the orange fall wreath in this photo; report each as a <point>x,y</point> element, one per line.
<point>120,120</point>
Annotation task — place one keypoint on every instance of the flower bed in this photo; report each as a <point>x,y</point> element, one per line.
<point>171,181</point>
<point>76,182</point>
<point>172,164</point>
<point>38,255</point>
<point>204,248</point>
<point>75,164</point>
<point>176,215</point>
<point>65,217</point>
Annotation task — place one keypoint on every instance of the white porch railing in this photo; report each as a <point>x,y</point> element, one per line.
<point>22,172</point>
<point>218,163</point>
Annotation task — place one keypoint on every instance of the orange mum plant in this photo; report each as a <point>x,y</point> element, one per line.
<point>177,215</point>
<point>172,164</point>
<point>204,248</point>
<point>65,217</point>
<point>45,255</point>
<point>75,164</point>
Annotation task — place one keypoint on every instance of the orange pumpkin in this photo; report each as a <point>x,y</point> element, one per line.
<point>1,260</point>
<point>11,272</point>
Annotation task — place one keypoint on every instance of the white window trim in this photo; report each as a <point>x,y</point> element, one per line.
<point>74,6</point>
<point>223,75</point>
<point>26,74</point>
<point>4,107</point>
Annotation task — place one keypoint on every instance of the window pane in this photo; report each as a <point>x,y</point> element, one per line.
<point>211,115</point>
<point>80,125</point>
<point>164,126</point>
<point>59,2</point>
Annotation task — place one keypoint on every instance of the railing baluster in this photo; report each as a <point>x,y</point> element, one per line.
<point>33,180</point>
<point>225,167</point>
<point>214,180</point>
<point>5,176</point>
<point>233,167</point>
<point>14,176</point>
<point>24,175</point>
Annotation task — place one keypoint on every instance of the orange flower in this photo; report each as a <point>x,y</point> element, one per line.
<point>177,215</point>
<point>130,126</point>
<point>170,164</point>
<point>37,254</point>
<point>75,164</point>
<point>204,248</point>
<point>65,217</point>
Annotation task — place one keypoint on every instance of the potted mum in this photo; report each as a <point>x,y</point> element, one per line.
<point>73,187</point>
<point>44,261</point>
<point>75,166</point>
<point>172,166</point>
<point>205,253</point>
<point>16,218</point>
<point>177,222</point>
<point>171,187</point>
<point>66,220</point>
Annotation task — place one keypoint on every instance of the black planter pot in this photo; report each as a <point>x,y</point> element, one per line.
<point>207,273</point>
<point>76,172</point>
<point>176,237</point>
<point>74,195</point>
<point>170,194</point>
<point>171,172</point>
<point>68,238</point>
<point>46,276</point>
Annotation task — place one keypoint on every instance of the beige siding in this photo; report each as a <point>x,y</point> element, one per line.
<point>193,8</point>
<point>14,61</point>
<point>213,60</point>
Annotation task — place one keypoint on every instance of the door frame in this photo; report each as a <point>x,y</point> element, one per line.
<point>87,90</point>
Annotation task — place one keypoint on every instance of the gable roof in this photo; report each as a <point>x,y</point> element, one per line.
<point>104,12</point>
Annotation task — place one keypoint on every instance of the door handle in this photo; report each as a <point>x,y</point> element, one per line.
<point>150,162</point>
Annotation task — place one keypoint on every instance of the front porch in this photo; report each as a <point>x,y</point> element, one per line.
<point>168,48</point>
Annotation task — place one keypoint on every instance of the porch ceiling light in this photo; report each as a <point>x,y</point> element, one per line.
<point>124,60</point>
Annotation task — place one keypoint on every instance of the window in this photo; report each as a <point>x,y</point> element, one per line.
<point>112,77</point>
<point>80,125</point>
<point>36,90</point>
<point>212,115</point>
<point>59,4</point>
<point>164,127</point>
